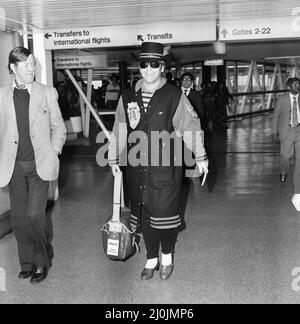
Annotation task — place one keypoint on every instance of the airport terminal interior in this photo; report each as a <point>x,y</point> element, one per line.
<point>240,242</point>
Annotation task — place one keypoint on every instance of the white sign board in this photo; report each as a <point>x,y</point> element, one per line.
<point>2,19</point>
<point>80,62</point>
<point>113,247</point>
<point>263,28</point>
<point>131,35</point>
<point>214,62</point>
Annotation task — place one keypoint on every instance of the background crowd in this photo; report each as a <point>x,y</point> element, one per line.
<point>212,101</point>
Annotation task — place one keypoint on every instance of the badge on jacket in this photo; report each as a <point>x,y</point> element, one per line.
<point>134,114</point>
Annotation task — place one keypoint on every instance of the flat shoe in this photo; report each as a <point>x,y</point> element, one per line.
<point>39,275</point>
<point>148,273</point>
<point>25,274</point>
<point>166,271</point>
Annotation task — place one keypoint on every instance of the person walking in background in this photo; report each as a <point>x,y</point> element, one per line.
<point>154,105</point>
<point>210,107</point>
<point>222,102</point>
<point>169,78</point>
<point>112,93</point>
<point>32,135</point>
<point>286,122</point>
<point>187,87</point>
<point>102,103</point>
<point>177,82</point>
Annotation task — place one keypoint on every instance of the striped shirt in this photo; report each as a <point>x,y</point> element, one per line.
<point>147,96</point>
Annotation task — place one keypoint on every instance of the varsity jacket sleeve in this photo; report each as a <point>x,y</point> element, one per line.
<point>187,123</point>
<point>118,140</point>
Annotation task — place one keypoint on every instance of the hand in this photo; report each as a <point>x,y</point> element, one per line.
<point>56,151</point>
<point>203,167</point>
<point>115,169</point>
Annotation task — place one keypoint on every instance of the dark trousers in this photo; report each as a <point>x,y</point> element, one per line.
<point>32,229</point>
<point>153,238</point>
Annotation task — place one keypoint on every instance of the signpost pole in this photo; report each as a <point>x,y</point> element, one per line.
<point>89,106</point>
<point>276,68</point>
<point>260,88</point>
<point>248,82</point>
<point>89,97</point>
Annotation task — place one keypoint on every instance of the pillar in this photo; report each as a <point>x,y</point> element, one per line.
<point>44,71</point>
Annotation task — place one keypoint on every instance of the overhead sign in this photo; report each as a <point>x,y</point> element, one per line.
<point>214,62</point>
<point>264,28</point>
<point>131,35</point>
<point>2,19</point>
<point>80,62</point>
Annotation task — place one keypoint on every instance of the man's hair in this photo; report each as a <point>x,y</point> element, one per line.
<point>292,80</point>
<point>187,75</point>
<point>17,55</point>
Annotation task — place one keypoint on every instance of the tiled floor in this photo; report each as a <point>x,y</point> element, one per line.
<point>241,242</point>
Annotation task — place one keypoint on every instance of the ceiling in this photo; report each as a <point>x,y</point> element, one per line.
<point>49,14</point>
<point>30,15</point>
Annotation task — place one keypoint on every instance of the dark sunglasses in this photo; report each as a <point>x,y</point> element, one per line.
<point>153,65</point>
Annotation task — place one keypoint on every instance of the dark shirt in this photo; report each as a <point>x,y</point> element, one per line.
<point>25,148</point>
<point>197,102</point>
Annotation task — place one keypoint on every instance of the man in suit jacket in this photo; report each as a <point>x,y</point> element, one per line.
<point>32,135</point>
<point>286,122</point>
<point>187,81</point>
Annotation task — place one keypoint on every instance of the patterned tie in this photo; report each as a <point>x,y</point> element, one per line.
<point>20,86</point>
<point>295,113</point>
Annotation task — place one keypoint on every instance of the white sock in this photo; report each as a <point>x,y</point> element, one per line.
<point>151,263</point>
<point>166,259</point>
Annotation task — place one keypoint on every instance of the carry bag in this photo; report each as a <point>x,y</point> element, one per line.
<point>119,239</point>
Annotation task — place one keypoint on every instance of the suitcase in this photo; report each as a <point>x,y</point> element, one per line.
<point>118,237</point>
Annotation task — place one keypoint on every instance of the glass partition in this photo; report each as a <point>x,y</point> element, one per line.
<point>255,86</point>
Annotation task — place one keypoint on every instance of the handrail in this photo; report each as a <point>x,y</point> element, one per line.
<point>91,108</point>
<point>103,112</point>
<point>242,94</point>
<point>249,114</point>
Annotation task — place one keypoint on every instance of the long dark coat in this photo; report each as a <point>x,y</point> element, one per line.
<point>154,191</point>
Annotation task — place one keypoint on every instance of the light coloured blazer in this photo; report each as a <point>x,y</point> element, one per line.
<point>282,116</point>
<point>47,130</point>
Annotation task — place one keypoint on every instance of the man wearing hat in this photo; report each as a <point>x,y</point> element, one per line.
<point>154,105</point>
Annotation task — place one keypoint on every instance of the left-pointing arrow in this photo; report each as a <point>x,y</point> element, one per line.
<point>47,35</point>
